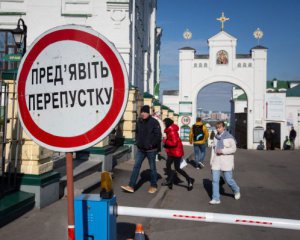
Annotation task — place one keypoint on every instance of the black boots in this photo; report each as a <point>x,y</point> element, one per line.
<point>190,183</point>
<point>167,183</point>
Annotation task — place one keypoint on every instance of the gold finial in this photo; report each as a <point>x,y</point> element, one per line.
<point>222,19</point>
<point>187,35</point>
<point>258,34</point>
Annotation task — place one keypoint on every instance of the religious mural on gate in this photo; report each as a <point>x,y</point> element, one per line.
<point>222,57</point>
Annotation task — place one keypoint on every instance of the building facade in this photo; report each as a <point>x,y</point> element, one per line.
<point>223,64</point>
<point>129,24</point>
<point>256,102</point>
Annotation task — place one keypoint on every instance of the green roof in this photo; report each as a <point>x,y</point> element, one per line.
<point>242,97</point>
<point>10,74</point>
<point>148,95</point>
<point>293,92</point>
<point>280,84</point>
<point>156,103</point>
<point>132,87</point>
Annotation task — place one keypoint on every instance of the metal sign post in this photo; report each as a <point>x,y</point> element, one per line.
<point>70,196</point>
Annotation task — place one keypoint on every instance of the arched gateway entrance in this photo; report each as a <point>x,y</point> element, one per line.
<point>223,64</point>
<point>228,102</point>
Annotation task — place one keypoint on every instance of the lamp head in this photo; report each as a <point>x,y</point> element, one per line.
<point>19,33</point>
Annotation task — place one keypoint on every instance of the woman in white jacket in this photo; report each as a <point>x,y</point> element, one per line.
<point>222,160</point>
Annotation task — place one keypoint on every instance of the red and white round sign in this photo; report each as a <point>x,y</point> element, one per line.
<point>72,88</point>
<point>185,120</point>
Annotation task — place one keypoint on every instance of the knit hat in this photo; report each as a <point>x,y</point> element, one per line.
<point>168,122</point>
<point>145,109</point>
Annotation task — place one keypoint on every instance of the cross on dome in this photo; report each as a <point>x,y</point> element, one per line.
<point>222,19</point>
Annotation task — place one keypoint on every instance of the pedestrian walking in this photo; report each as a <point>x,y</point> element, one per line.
<point>198,137</point>
<point>292,136</point>
<point>148,140</point>
<point>174,149</point>
<point>222,161</point>
<point>211,137</point>
<point>269,135</point>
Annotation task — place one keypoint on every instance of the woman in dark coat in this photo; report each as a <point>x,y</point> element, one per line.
<point>174,149</point>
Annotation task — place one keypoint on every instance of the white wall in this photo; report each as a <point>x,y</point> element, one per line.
<point>172,102</point>
<point>292,111</point>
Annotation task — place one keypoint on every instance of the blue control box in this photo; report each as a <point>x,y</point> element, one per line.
<point>95,218</point>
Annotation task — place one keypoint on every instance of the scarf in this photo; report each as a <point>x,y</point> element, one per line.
<point>220,139</point>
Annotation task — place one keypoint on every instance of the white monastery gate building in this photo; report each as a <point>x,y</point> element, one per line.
<point>223,64</point>
<point>259,105</point>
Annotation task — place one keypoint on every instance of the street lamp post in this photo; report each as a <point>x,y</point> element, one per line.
<point>19,34</point>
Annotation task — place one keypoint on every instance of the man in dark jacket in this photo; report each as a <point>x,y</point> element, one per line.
<point>292,137</point>
<point>148,141</point>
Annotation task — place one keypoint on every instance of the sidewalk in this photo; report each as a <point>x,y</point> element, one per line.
<point>51,222</point>
<point>267,180</point>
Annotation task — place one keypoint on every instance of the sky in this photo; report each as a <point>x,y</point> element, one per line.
<point>278,19</point>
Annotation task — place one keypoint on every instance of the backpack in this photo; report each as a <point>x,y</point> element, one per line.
<point>198,133</point>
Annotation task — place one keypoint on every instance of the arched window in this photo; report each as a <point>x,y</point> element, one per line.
<point>200,65</point>
<point>244,65</point>
<point>195,65</point>
<point>205,65</point>
<point>249,64</point>
<point>222,57</point>
<point>239,65</point>
<point>184,133</point>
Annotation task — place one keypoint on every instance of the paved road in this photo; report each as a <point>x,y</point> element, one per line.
<point>269,188</point>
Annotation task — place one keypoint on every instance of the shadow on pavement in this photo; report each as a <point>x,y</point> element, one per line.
<point>145,177</point>
<point>193,163</point>
<point>222,190</point>
<point>207,184</point>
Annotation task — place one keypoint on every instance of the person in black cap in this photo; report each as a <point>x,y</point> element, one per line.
<point>148,141</point>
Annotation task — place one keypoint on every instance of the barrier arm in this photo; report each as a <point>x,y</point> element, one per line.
<point>210,217</point>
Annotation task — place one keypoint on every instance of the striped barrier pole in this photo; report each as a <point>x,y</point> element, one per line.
<point>210,217</point>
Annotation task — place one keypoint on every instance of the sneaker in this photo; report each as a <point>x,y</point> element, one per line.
<point>214,202</point>
<point>152,190</point>
<point>201,164</point>
<point>128,189</point>
<point>237,196</point>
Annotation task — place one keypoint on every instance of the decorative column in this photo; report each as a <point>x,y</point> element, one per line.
<point>148,100</point>
<point>165,111</point>
<point>171,114</point>
<point>130,116</point>
<point>30,157</point>
<point>175,118</point>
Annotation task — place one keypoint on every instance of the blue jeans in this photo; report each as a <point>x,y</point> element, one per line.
<point>199,151</point>
<point>140,156</point>
<point>216,181</point>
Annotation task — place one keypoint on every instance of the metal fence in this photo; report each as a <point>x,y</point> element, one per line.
<point>9,143</point>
